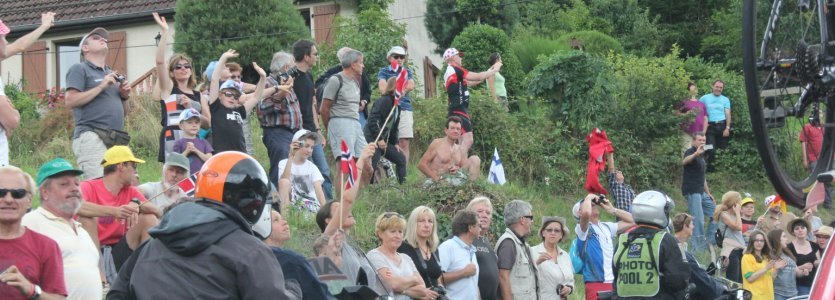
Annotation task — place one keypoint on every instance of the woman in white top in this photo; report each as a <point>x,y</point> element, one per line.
<point>397,270</point>
<point>553,264</point>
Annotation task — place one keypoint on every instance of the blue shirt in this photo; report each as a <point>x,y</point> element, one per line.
<point>716,106</point>
<point>386,73</point>
<point>296,268</point>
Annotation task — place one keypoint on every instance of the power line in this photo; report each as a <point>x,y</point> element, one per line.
<point>280,33</point>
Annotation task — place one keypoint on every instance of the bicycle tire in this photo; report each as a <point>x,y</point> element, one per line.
<point>790,188</point>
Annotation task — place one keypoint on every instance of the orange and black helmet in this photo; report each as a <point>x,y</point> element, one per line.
<point>237,180</point>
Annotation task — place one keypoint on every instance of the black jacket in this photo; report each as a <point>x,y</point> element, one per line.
<point>674,270</point>
<point>202,250</point>
<point>379,113</point>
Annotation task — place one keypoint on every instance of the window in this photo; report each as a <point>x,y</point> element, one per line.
<point>67,55</point>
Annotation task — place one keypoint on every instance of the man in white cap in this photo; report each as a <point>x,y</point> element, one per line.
<point>96,93</point>
<point>301,183</point>
<point>166,191</point>
<point>456,81</point>
<point>405,128</point>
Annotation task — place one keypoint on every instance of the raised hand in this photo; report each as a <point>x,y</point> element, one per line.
<point>48,19</point>
<point>258,69</point>
<point>231,53</point>
<point>160,21</point>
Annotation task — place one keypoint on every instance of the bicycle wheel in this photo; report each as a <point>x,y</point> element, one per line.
<point>785,87</point>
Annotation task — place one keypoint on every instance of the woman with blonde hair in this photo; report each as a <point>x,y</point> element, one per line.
<point>729,224</point>
<point>757,268</point>
<point>175,77</point>
<point>396,269</point>
<point>421,244</point>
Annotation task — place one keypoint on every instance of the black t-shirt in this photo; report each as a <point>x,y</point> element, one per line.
<point>430,270</point>
<point>227,128</point>
<point>488,265</point>
<point>304,88</point>
<point>693,180</point>
<point>803,259</point>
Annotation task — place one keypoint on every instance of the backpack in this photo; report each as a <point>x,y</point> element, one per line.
<point>575,254</point>
<point>320,89</point>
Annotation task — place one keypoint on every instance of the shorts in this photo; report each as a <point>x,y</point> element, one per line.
<point>455,179</point>
<point>349,130</point>
<point>89,152</point>
<point>466,123</point>
<point>406,127</point>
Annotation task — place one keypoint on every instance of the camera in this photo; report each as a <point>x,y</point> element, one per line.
<point>708,147</point>
<point>119,78</point>
<point>301,144</point>
<point>441,292</point>
<point>599,200</point>
<point>283,77</point>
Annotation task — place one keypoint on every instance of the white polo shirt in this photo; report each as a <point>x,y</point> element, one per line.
<point>454,255</point>
<point>81,258</point>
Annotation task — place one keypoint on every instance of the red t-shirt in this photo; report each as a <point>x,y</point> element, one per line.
<point>38,258</point>
<point>813,136</point>
<point>111,229</point>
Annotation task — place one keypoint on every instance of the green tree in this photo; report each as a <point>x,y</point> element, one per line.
<point>479,42</point>
<point>447,18</point>
<point>255,28</point>
<point>372,32</point>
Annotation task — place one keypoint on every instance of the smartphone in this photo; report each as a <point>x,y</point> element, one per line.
<point>708,146</point>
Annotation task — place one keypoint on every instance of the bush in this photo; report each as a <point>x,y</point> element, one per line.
<point>206,29</point>
<point>529,47</point>
<point>593,42</point>
<point>479,42</point>
<point>445,19</point>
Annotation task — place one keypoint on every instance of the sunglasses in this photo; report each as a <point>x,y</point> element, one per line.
<point>392,214</point>
<point>97,37</point>
<point>398,56</point>
<point>232,95</point>
<point>235,76</point>
<point>822,236</point>
<point>16,193</point>
<point>528,217</point>
<point>553,230</point>
<point>182,66</point>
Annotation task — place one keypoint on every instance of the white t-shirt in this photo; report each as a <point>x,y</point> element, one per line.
<point>302,178</point>
<point>605,232</point>
<point>4,141</point>
<point>454,255</point>
<point>406,268</point>
<point>151,189</point>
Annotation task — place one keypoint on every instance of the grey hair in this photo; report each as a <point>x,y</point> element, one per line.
<point>341,52</point>
<point>514,210</point>
<point>350,57</point>
<point>281,62</point>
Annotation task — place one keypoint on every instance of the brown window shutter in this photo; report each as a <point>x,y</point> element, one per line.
<point>34,67</point>
<point>323,16</point>
<point>117,54</point>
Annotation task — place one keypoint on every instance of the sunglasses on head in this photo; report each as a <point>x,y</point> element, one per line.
<point>182,66</point>
<point>232,95</point>
<point>398,56</point>
<point>16,193</point>
<point>392,214</point>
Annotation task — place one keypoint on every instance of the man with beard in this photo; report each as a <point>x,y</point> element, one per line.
<point>58,184</point>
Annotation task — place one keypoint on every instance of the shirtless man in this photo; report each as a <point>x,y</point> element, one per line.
<point>444,156</point>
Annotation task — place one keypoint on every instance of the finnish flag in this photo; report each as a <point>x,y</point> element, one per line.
<point>496,175</point>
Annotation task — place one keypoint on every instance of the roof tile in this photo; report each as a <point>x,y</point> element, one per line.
<point>16,13</point>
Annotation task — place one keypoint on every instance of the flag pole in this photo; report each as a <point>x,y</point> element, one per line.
<point>341,198</point>
<point>169,188</point>
<point>384,124</point>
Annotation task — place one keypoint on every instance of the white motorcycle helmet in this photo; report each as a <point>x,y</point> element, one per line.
<point>652,208</point>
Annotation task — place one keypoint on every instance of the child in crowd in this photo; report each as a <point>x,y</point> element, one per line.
<point>197,150</point>
<point>227,113</point>
<point>302,182</point>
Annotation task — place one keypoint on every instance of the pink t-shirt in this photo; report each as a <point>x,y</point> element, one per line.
<point>38,258</point>
<point>111,229</point>
<point>699,122</point>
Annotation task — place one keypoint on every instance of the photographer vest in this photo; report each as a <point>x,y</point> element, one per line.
<point>523,276</point>
<point>637,271</point>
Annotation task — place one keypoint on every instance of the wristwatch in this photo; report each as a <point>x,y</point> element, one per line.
<point>37,293</point>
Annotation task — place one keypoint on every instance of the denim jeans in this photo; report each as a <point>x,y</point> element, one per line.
<point>701,206</point>
<point>803,290</point>
<point>318,158</point>
<point>277,140</point>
